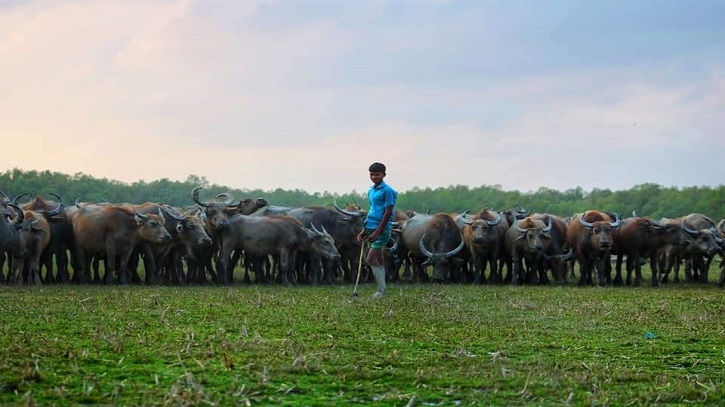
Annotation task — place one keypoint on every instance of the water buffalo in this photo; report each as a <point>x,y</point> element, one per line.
<point>484,237</point>
<point>641,238</point>
<point>186,231</point>
<point>590,237</point>
<point>280,236</point>
<point>705,245</point>
<point>112,231</point>
<point>557,255</point>
<point>60,229</point>
<point>528,239</point>
<point>435,240</point>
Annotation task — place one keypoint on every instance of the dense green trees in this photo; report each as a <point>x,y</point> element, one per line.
<point>647,199</point>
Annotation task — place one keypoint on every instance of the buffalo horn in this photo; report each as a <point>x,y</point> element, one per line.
<point>15,200</point>
<point>195,197</point>
<point>60,198</point>
<point>172,213</point>
<point>144,217</point>
<point>393,248</point>
<point>57,211</point>
<point>547,229</point>
<point>21,215</point>
<point>518,228</point>
<point>314,229</point>
<point>584,222</point>
<point>428,253</point>
<point>496,221</point>
<point>688,229</point>
<point>617,220</point>
<point>344,212</point>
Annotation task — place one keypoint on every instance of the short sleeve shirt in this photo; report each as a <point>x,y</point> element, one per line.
<point>380,197</point>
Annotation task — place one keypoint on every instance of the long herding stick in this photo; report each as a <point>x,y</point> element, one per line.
<point>359,268</point>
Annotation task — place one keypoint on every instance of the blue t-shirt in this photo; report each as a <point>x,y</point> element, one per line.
<point>380,197</point>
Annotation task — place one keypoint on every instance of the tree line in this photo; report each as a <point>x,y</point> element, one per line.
<point>649,199</point>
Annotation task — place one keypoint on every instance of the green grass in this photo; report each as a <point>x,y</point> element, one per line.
<point>423,345</point>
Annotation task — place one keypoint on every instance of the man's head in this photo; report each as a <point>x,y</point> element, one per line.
<point>377,172</point>
<point>377,167</point>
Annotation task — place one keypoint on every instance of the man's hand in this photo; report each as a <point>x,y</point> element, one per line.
<point>361,236</point>
<point>374,236</point>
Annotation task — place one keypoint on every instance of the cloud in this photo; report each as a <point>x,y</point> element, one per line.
<point>277,94</point>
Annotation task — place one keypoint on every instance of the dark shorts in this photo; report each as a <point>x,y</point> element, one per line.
<point>382,241</point>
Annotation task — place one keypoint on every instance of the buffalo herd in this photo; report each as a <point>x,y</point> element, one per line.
<point>46,241</point>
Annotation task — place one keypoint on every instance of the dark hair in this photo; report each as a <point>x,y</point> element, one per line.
<point>377,167</point>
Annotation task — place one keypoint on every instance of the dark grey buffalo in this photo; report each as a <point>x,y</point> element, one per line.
<point>558,255</point>
<point>36,237</point>
<point>528,239</point>
<point>163,259</point>
<point>279,236</point>
<point>706,243</point>
<point>433,240</point>
<point>343,225</point>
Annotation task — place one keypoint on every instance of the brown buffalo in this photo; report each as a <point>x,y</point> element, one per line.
<point>112,231</point>
<point>484,238</point>
<point>640,238</point>
<point>590,237</point>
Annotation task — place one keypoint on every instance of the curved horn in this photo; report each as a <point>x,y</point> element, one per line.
<point>423,249</point>
<point>344,212</point>
<point>172,214</point>
<point>21,215</point>
<point>568,255</point>
<point>55,212</point>
<point>144,217</point>
<point>584,222</point>
<point>228,201</point>
<point>518,228</point>
<point>7,198</point>
<point>617,220</point>
<point>520,209</point>
<point>634,213</point>
<point>548,227</point>
<point>60,198</point>
<point>496,221</point>
<point>314,228</point>
<point>687,228</point>
<point>15,200</point>
<point>428,253</point>
<point>195,197</point>
<point>394,248</point>
<point>713,226</point>
<point>226,195</point>
<point>456,250</point>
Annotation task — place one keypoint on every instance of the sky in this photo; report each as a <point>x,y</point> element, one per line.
<point>306,95</point>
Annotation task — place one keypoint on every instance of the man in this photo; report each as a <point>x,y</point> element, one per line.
<point>378,224</point>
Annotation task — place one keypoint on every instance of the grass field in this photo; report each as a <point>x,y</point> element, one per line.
<point>423,345</point>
